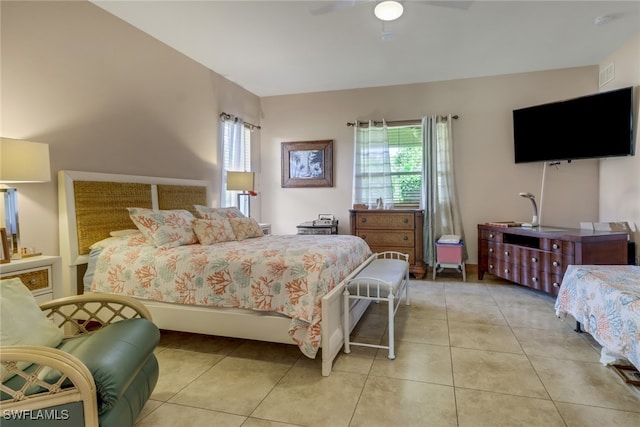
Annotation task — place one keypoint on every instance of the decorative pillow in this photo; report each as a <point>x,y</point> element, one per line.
<point>23,323</point>
<point>245,228</point>
<point>205,212</point>
<point>210,231</point>
<point>165,228</point>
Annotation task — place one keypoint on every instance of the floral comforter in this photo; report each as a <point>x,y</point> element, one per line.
<point>606,301</point>
<point>286,274</point>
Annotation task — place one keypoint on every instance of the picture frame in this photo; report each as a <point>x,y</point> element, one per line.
<point>5,256</point>
<point>307,164</point>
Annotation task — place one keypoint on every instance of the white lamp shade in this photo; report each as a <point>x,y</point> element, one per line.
<point>240,181</point>
<point>388,10</point>
<point>24,161</point>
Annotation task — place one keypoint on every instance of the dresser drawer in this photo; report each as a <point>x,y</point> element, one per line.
<point>490,235</point>
<point>385,221</point>
<point>36,280</point>
<point>387,238</point>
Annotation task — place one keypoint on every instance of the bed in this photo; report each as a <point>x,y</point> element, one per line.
<point>94,205</point>
<point>605,300</point>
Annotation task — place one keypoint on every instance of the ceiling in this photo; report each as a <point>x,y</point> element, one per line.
<point>288,47</point>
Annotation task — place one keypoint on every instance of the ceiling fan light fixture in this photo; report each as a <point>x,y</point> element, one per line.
<point>388,10</point>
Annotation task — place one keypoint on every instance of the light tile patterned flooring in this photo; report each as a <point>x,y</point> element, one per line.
<point>480,353</point>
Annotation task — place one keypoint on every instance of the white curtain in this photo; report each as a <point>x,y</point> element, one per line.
<point>235,157</point>
<point>371,166</point>
<point>439,194</point>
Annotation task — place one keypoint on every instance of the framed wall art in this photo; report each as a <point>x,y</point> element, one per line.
<point>307,164</point>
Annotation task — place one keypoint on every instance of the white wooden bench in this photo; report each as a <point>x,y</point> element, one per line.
<point>384,279</point>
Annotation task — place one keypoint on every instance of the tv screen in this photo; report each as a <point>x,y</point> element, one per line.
<point>593,126</point>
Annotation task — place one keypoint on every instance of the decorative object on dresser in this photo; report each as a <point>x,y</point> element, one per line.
<point>392,230</point>
<point>538,257</point>
<point>41,274</point>
<point>307,164</point>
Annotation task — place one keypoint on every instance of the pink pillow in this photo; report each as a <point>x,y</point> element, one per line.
<point>205,212</point>
<point>245,228</point>
<point>168,228</point>
<point>210,231</point>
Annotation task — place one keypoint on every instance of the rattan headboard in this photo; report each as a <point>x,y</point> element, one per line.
<point>91,205</point>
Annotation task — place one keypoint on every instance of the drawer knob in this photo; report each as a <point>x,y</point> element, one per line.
<point>406,220</point>
<point>491,266</point>
<point>555,246</point>
<point>364,237</point>
<point>363,219</point>
<point>33,282</point>
<point>556,285</point>
<point>534,259</point>
<point>490,250</point>
<point>491,236</point>
<point>506,271</point>
<point>506,253</point>
<point>405,238</point>
<point>555,263</point>
<point>534,279</point>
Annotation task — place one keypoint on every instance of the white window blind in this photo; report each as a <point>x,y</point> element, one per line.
<point>236,156</point>
<point>405,152</point>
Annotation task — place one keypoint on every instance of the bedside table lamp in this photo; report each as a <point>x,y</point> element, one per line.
<point>20,162</point>
<point>242,182</point>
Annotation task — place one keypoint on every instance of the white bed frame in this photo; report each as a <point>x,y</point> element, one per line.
<point>199,319</point>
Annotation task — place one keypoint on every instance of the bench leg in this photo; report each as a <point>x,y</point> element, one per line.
<point>391,311</point>
<point>345,320</point>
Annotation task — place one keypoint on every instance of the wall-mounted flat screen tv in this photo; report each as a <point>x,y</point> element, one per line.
<point>592,126</point>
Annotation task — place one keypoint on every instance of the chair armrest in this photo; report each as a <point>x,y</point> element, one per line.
<point>81,314</point>
<point>26,392</point>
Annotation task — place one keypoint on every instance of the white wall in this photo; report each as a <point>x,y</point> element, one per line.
<point>620,177</point>
<point>487,178</point>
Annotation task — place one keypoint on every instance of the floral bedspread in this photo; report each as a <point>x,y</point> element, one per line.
<point>287,274</point>
<point>606,301</point>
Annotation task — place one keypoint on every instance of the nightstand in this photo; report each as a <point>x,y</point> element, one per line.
<point>41,274</point>
<point>266,228</point>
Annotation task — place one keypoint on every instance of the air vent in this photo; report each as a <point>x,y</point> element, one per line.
<point>606,74</point>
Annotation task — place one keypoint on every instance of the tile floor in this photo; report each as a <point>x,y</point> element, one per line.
<point>468,354</point>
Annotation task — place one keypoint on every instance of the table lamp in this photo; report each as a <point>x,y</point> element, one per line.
<point>20,162</point>
<point>244,183</point>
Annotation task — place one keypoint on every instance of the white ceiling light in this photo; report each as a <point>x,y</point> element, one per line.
<point>388,10</point>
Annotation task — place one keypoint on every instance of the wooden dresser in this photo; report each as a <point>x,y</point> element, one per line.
<point>538,257</point>
<point>392,230</point>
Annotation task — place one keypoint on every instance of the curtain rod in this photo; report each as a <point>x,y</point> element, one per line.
<point>396,122</point>
<point>226,116</point>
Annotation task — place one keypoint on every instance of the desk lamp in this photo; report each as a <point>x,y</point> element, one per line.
<point>534,220</point>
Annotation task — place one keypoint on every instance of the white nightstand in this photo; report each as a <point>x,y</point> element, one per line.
<point>266,228</point>
<point>41,274</point>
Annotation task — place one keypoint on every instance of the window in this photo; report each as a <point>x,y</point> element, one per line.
<point>236,156</point>
<point>405,152</point>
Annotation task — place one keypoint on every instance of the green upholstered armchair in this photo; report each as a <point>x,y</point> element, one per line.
<point>102,372</point>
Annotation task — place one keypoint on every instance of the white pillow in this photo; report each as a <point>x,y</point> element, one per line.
<point>23,323</point>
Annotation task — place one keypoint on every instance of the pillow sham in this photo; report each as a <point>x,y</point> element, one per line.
<point>245,228</point>
<point>165,228</point>
<point>215,230</point>
<point>205,212</point>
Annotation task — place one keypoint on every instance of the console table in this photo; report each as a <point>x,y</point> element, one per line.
<point>538,257</point>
